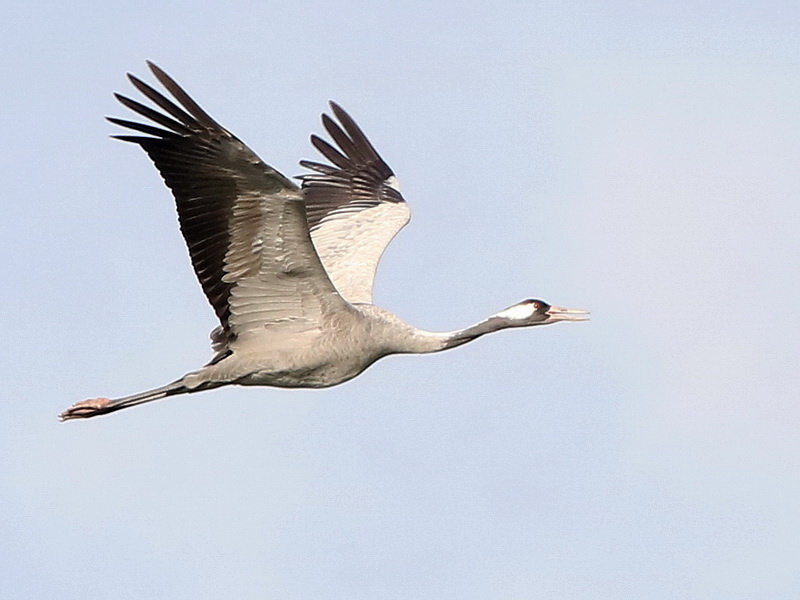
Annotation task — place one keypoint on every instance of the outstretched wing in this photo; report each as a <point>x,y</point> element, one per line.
<point>354,206</point>
<point>244,223</point>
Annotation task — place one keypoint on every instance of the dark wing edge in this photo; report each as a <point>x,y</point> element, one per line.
<point>354,205</point>
<point>356,181</point>
<point>207,168</point>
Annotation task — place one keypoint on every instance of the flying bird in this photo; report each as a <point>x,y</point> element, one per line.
<point>287,269</point>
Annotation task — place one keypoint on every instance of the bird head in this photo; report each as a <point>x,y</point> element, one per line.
<point>538,312</point>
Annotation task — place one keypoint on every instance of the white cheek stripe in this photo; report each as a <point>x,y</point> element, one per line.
<point>518,312</point>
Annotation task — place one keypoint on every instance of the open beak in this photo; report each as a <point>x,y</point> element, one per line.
<point>559,313</point>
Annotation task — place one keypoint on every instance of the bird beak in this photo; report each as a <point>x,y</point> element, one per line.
<point>559,313</point>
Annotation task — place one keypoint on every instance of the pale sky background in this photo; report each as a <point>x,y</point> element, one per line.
<point>636,159</point>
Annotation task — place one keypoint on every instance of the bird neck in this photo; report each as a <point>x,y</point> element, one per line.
<point>429,341</point>
<point>406,339</point>
<point>490,325</point>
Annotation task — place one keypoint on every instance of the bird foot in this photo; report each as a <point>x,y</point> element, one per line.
<point>85,409</point>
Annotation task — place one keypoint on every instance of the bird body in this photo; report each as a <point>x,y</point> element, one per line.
<point>335,352</point>
<point>287,269</point>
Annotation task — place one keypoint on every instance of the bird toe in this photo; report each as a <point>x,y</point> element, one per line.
<point>84,409</point>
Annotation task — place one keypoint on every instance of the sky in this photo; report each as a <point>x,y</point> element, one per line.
<point>636,159</point>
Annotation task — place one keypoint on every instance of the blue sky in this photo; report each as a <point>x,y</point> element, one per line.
<point>636,160</point>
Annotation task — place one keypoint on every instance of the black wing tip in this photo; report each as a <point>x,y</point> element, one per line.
<point>345,122</point>
<point>183,115</point>
<point>340,114</point>
<point>140,85</point>
<point>337,110</point>
<point>156,132</point>
<point>184,99</point>
<point>133,139</point>
<point>328,123</point>
<point>154,68</point>
<point>118,121</point>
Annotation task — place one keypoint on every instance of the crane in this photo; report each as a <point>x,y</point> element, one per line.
<point>287,269</point>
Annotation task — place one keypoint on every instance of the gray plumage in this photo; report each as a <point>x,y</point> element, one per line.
<point>288,270</point>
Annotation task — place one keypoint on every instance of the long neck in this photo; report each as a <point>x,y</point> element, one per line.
<point>420,341</point>
<point>490,325</point>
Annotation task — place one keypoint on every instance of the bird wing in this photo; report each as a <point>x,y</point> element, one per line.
<point>244,222</point>
<point>354,206</point>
